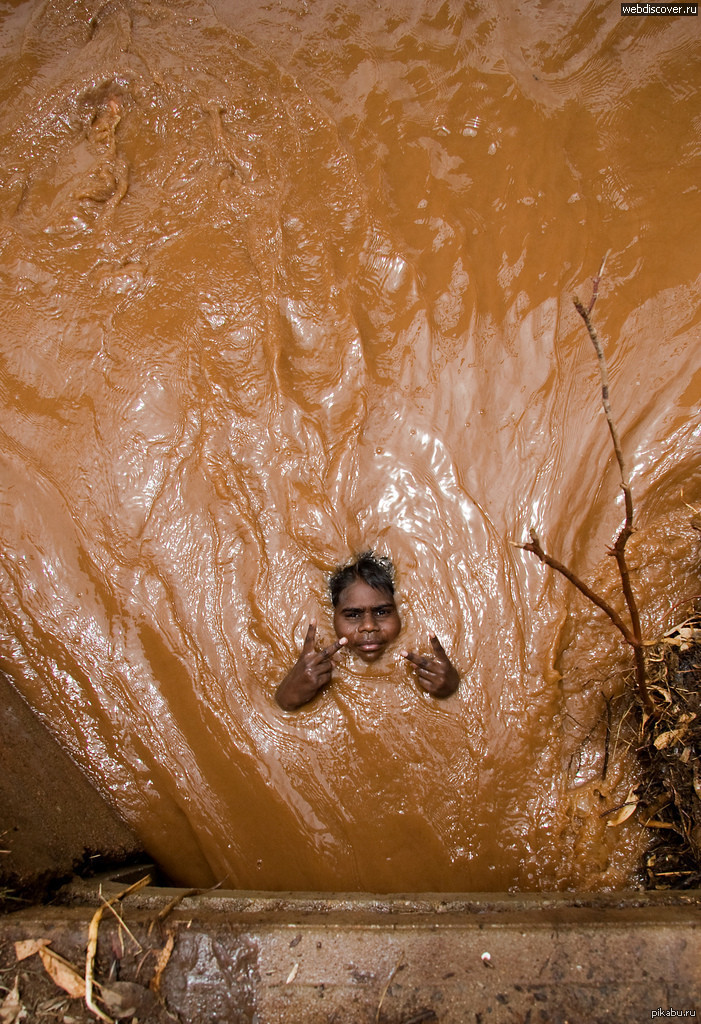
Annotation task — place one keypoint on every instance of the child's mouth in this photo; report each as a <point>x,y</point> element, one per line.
<point>369,647</point>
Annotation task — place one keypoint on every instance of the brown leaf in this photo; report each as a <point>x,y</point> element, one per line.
<point>126,998</point>
<point>28,947</point>
<point>63,974</point>
<point>622,815</point>
<point>624,812</point>
<point>163,958</point>
<point>666,739</point>
<point>11,1006</point>
<point>665,694</point>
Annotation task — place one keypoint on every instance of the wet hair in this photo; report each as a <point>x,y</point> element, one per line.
<point>376,571</point>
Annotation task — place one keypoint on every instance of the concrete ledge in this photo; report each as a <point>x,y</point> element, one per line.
<point>266,958</point>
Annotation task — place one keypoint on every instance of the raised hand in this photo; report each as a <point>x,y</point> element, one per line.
<point>309,674</point>
<point>436,675</point>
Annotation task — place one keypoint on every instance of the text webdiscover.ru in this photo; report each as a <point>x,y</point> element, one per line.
<point>683,10</point>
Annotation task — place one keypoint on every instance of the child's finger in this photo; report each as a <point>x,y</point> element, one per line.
<point>323,672</point>
<point>437,645</point>
<point>428,685</point>
<point>329,652</point>
<point>310,637</point>
<point>421,662</point>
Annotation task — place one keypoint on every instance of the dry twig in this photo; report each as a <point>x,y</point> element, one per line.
<point>110,907</point>
<point>162,963</point>
<point>386,987</point>
<point>92,947</point>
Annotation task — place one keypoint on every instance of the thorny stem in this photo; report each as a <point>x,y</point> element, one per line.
<point>634,636</point>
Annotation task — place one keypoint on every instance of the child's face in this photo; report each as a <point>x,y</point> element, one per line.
<point>368,618</point>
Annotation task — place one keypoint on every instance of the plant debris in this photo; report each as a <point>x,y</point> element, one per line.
<point>669,797</point>
<point>123,999</point>
<point>11,1006</point>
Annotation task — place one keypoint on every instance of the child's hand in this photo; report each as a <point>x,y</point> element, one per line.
<point>436,675</point>
<point>310,673</point>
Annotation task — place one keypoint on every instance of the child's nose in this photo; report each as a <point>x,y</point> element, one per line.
<point>367,624</point>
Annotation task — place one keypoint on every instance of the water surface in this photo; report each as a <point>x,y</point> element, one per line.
<point>281,282</point>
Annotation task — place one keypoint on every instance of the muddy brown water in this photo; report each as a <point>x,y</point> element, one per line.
<point>283,281</point>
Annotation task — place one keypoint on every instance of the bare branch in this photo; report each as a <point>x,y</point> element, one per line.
<point>603,371</point>
<point>627,529</point>
<point>633,635</point>
<point>536,548</point>
<point>595,282</point>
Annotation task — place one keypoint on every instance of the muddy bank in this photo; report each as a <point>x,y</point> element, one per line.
<point>52,821</point>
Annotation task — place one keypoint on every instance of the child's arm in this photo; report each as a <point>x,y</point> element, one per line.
<point>309,674</point>
<point>436,675</point>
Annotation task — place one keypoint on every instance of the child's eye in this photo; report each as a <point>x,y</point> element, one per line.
<point>382,611</point>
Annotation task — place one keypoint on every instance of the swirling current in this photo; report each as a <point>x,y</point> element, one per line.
<point>282,281</point>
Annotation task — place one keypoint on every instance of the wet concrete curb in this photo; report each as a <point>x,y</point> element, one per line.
<point>267,958</point>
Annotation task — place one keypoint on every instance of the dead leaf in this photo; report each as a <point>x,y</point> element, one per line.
<point>63,974</point>
<point>11,1006</point>
<point>666,739</point>
<point>624,812</point>
<point>683,636</point>
<point>28,947</point>
<point>163,958</point>
<point>126,998</point>
<point>665,694</point>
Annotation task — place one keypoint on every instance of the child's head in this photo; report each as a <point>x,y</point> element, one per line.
<point>364,610</point>
<point>376,571</point>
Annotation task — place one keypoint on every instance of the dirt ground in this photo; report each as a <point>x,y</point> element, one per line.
<point>40,998</point>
